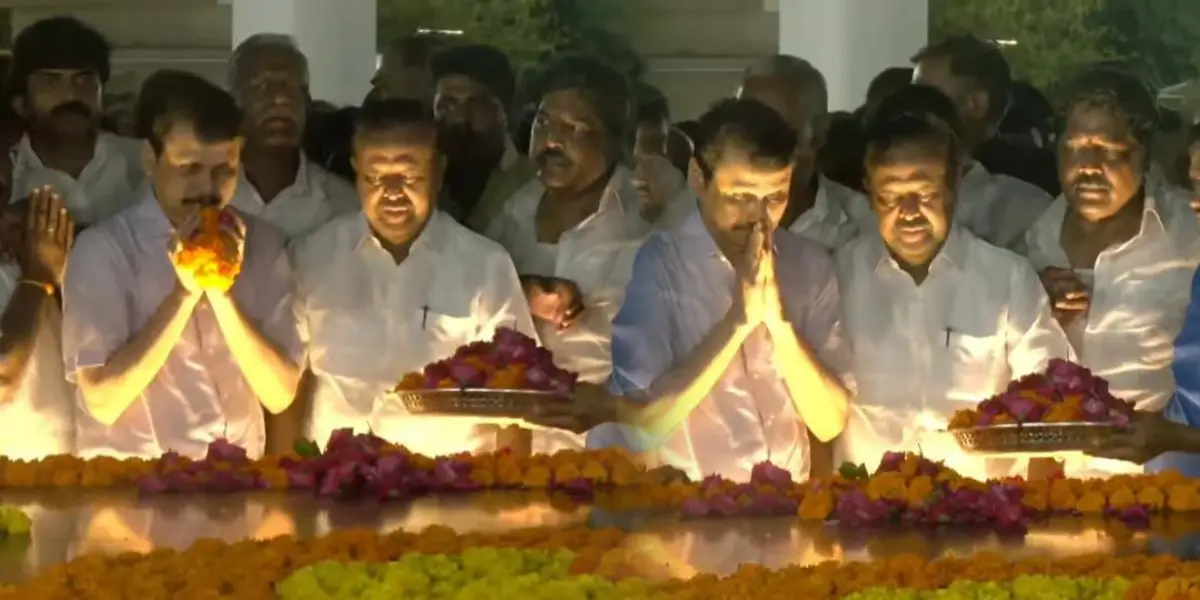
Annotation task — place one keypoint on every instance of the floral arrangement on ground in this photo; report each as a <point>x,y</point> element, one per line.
<point>905,488</point>
<point>573,563</point>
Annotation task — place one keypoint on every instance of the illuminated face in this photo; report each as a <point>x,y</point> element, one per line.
<point>66,100</point>
<point>913,197</point>
<point>399,173</point>
<point>569,141</point>
<point>1101,164</point>
<point>191,173</point>
<point>739,195</point>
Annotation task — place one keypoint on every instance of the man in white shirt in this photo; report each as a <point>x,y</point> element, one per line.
<point>268,76</point>
<point>60,67</point>
<point>974,74</point>
<point>661,187</point>
<point>37,405</point>
<point>396,286</point>
<point>818,207</point>
<point>938,318</point>
<point>161,363</point>
<point>573,231</point>
<point>738,354</point>
<point>1116,260</point>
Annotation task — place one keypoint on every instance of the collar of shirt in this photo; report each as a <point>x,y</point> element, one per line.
<point>951,256</point>
<point>431,239</point>
<point>613,207</point>
<point>25,157</point>
<point>301,186</point>
<point>1045,236</point>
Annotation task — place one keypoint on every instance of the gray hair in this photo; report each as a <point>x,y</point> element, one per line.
<point>796,73</point>
<point>252,46</point>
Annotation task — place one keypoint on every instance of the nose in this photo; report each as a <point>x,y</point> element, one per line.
<point>910,205</point>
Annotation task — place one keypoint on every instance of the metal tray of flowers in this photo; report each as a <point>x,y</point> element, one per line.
<point>480,402</point>
<point>1033,438</point>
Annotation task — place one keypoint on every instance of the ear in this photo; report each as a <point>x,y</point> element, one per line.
<point>695,177</point>
<point>149,158</point>
<point>354,164</point>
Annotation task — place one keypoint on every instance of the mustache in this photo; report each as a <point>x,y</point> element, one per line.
<point>74,107</point>
<point>550,154</point>
<point>1090,181</point>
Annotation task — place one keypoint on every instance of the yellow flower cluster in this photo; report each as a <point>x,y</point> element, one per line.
<point>442,560</point>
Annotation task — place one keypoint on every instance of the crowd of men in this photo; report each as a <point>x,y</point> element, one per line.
<point>768,282</point>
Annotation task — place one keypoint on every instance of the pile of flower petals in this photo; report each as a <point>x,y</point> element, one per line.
<point>510,361</point>
<point>364,465</point>
<point>1066,392</point>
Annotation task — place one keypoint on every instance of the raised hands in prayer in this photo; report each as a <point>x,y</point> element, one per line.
<point>49,234</point>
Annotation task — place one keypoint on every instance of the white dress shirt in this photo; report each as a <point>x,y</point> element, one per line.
<point>368,321</point>
<point>598,256</point>
<point>117,276</point>
<point>828,221</point>
<point>1139,294</point>
<point>111,181</point>
<point>315,197</point>
<point>997,208</point>
<point>922,352</point>
<point>39,421</point>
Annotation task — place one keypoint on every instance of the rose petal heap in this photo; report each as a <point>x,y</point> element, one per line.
<point>1064,393</point>
<point>510,361</point>
<point>209,254</point>
<point>225,468</point>
<point>771,492</point>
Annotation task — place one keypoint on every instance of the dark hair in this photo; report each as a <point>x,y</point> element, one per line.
<point>485,64</point>
<point>1169,121</point>
<point>1118,90</point>
<point>59,43</point>
<point>171,96</point>
<point>692,130</point>
<point>383,115</point>
<point>978,61</point>
<point>605,87</point>
<point>914,113</point>
<point>888,81</point>
<point>746,126</point>
<point>654,110</point>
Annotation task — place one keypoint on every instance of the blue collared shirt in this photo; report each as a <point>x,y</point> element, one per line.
<point>680,289</point>
<point>1184,406</point>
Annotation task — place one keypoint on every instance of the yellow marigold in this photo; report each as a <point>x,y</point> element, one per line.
<point>919,490</point>
<point>1091,502</point>
<point>817,505</point>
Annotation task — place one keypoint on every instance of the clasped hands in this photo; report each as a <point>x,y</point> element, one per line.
<point>757,298</point>
<point>228,233</point>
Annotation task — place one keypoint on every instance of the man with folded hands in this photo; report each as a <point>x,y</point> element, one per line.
<point>164,360</point>
<point>729,334</point>
<point>395,286</point>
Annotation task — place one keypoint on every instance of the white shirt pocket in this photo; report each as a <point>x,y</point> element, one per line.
<point>971,361</point>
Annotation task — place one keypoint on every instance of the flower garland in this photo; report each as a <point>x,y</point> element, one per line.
<point>14,522</point>
<point>906,488</point>
<point>476,574</point>
<point>253,570</point>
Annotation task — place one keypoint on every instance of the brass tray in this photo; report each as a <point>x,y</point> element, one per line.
<point>1032,438</point>
<point>474,402</point>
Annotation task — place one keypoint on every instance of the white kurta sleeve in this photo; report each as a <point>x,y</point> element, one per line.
<point>1034,336</point>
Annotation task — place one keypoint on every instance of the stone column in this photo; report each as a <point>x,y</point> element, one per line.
<point>851,41</point>
<point>338,36</point>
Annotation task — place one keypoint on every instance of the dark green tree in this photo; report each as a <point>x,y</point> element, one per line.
<point>1160,37</point>
<point>1051,37</point>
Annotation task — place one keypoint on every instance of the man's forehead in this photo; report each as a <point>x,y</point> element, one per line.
<point>570,104</point>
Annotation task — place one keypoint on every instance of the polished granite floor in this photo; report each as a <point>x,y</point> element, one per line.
<point>69,523</point>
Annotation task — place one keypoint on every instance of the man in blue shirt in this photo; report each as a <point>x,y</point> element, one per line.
<point>730,329</point>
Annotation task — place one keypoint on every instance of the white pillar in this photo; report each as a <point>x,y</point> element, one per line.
<point>337,36</point>
<point>851,41</point>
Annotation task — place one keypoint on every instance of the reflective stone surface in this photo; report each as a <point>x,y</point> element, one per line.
<point>69,523</point>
